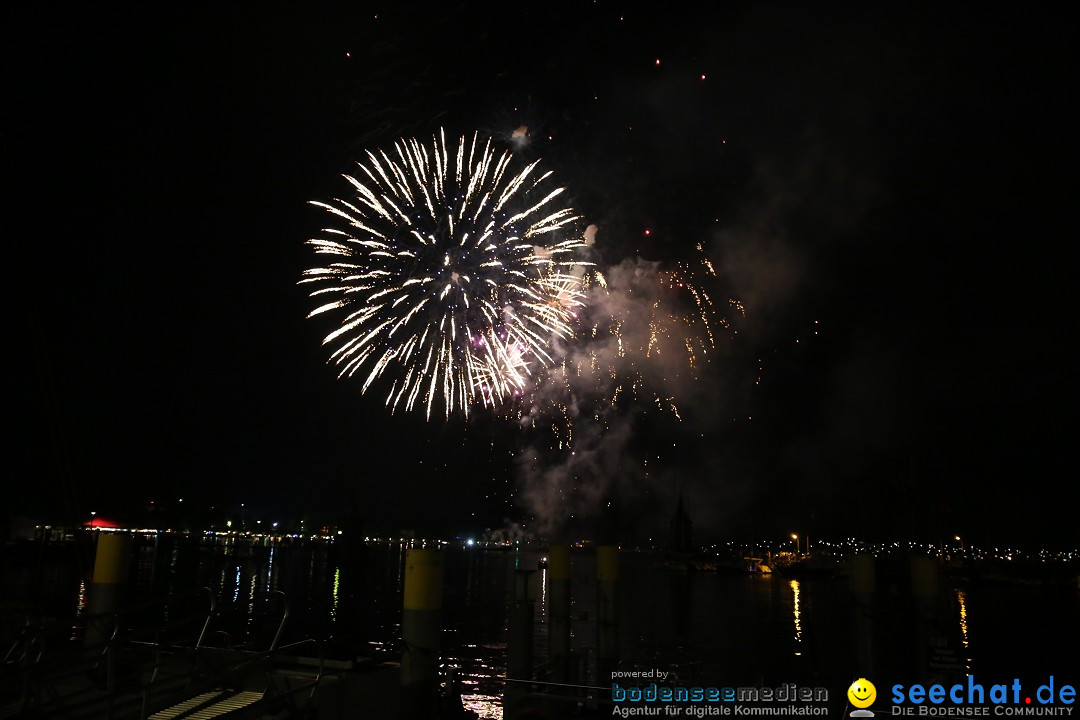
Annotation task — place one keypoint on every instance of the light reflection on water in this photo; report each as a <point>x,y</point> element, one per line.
<point>82,598</point>
<point>961,602</point>
<point>704,626</point>
<point>337,589</point>
<point>271,577</point>
<point>485,706</point>
<point>794,584</point>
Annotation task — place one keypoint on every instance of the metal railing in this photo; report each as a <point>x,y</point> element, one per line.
<point>154,655</point>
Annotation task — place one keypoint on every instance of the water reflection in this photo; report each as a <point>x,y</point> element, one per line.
<point>251,604</point>
<point>543,590</point>
<point>797,616</point>
<point>81,600</point>
<point>336,594</point>
<point>694,621</point>
<point>485,706</point>
<point>270,584</point>
<point>961,599</point>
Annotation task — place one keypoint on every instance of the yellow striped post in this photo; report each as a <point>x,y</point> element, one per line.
<point>421,624</point>
<point>863,573</point>
<point>863,584</point>
<point>924,579</point>
<point>924,586</point>
<point>558,571</point>
<point>112,560</point>
<point>607,611</point>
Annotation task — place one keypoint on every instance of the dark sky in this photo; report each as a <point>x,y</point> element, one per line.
<point>894,178</point>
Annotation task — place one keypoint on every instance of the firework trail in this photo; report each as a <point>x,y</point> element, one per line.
<point>645,337</point>
<point>643,360</point>
<point>452,275</point>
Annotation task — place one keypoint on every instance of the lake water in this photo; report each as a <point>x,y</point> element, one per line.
<point>709,628</point>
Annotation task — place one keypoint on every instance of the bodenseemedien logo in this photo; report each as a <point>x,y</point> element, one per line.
<point>659,698</point>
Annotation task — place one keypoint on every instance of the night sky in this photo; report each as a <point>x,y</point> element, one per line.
<point>886,188</point>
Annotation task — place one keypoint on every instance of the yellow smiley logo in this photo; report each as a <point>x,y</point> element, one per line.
<point>862,693</point>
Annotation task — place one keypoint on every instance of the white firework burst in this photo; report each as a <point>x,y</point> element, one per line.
<point>452,274</point>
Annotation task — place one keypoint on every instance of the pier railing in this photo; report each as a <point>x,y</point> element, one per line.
<point>153,660</point>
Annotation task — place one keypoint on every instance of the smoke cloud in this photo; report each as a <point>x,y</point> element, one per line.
<point>637,377</point>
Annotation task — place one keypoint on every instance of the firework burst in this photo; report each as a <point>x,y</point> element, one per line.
<point>645,339</point>
<point>651,330</point>
<point>451,276</point>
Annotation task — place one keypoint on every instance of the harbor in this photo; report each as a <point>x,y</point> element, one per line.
<point>539,361</point>
<point>319,628</point>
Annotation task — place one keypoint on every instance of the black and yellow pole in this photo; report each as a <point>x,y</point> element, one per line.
<point>863,585</point>
<point>107,587</point>
<point>924,587</point>
<point>559,612</point>
<point>924,581</point>
<point>421,624</point>
<point>519,656</point>
<point>519,659</point>
<point>607,583</point>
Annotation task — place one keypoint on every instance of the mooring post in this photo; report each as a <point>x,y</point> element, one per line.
<point>863,584</point>
<point>607,611</point>
<point>112,559</point>
<point>520,651</point>
<point>925,572</point>
<point>924,582</point>
<point>559,613</point>
<point>421,624</point>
